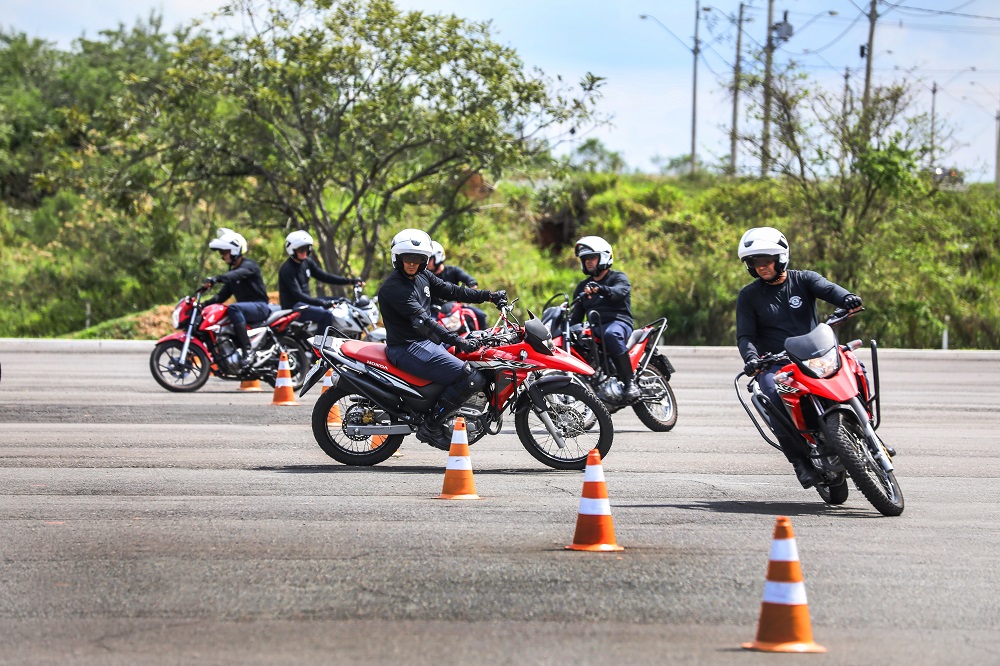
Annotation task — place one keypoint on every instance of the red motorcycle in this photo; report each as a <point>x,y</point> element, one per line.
<point>204,345</point>
<point>832,412</point>
<point>456,317</point>
<point>372,405</point>
<point>657,407</point>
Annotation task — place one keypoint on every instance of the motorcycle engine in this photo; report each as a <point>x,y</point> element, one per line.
<point>228,356</point>
<point>611,391</point>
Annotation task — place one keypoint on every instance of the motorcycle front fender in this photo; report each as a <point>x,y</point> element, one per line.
<point>534,393</point>
<point>181,336</point>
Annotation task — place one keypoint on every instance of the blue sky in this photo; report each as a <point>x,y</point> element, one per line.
<point>649,67</point>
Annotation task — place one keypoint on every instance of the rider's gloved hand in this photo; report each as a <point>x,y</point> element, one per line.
<point>752,366</point>
<point>468,345</point>
<point>209,281</point>
<point>329,303</point>
<point>498,298</point>
<point>594,288</point>
<point>358,282</point>
<point>852,302</point>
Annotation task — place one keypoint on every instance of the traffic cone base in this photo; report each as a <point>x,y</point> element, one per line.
<point>250,386</point>
<point>784,613</point>
<point>595,530</point>
<point>458,481</point>
<point>284,393</point>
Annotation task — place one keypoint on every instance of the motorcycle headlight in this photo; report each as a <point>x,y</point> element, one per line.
<point>175,318</point>
<point>823,366</point>
<point>453,322</point>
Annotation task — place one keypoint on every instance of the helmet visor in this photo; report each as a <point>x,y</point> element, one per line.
<point>412,258</point>
<point>761,260</point>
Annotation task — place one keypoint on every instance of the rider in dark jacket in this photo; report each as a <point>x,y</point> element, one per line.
<point>454,275</point>
<point>243,280</point>
<point>293,281</point>
<point>777,305</point>
<point>605,297</point>
<point>415,342</point>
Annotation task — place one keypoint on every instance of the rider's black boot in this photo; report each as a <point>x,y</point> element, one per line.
<point>630,392</point>
<point>431,430</point>
<point>805,472</point>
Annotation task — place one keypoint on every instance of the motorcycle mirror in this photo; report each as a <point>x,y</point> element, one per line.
<point>531,315</point>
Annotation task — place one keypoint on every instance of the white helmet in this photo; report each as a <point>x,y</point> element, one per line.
<point>296,241</point>
<point>410,241</point>
<point>591,245</point>
<point>227,239</point>
<point>764,241</point>
<point>437,252</point>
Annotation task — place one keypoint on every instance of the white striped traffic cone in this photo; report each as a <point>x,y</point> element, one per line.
<point>458,481</point>
<point>784,614</point>
<point>333,416</point>
<point>595,530</point>
<point>284,393</point>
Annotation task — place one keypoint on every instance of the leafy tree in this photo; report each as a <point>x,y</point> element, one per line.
<point>336,115</point>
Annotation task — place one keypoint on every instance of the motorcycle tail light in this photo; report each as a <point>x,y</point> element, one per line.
<point>453,322</point>
<point>823,366</point>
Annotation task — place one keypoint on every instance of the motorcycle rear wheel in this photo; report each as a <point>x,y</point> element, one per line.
<point>328,429</point>
<point>879,487</point>
<point>567,407</point>
<point>659,416</point>
<point>167,370</point>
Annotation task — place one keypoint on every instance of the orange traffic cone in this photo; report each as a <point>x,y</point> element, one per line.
<point>784,614</point>
<point>333,416</point>
<point>250,386</point>
<point>284,394</point>
<point>458,481</point>
<point>594,528</point>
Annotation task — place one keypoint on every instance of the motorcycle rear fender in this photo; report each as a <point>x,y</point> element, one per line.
<point>317,371</point>
<point>181,336</point>
<point>534,392</point>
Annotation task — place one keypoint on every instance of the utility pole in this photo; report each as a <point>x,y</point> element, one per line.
<point>872,19</point>
<point>996,175</point>
<point>736,93</point>
<point>765,138</point>
<point>694,89</point>
<point>934,90</point>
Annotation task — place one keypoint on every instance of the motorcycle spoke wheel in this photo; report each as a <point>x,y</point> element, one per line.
<point>337,407</point>
<point>567,406</point>
<point>298,361</point>
<point>661,415</point>
<point>879,487</point>
<point>176,374</point>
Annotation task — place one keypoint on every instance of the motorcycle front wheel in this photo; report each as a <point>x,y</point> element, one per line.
<point>879,487</point>
<point>176,374</point>
<point>567,407</point>
<point>661,415</point>
<point>338,407</point>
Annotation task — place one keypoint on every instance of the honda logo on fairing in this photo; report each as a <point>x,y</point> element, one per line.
<point>378,365</point>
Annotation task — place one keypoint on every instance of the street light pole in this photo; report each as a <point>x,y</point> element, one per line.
<point>765,137</point>
<point>694,84</point>
<point>736,93</point>
<point>694,88</point>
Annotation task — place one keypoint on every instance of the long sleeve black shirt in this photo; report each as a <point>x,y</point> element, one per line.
<point>766,314</point>
<point>616,305</point>
<point>293,282</point>
<point>406,306</point>
<point>245,282</point>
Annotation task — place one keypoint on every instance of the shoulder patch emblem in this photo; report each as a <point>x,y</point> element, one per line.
<point>427,291</point>
<point>795,302</point>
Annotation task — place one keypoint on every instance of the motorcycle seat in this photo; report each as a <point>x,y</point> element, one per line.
<point>275,316</point>
<point>373,353</point>
<point>638,335</point>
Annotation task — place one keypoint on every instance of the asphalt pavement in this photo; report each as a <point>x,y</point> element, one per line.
<point>141,526</point>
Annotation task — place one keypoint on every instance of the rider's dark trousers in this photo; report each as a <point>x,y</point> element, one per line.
<point>426,359</point>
